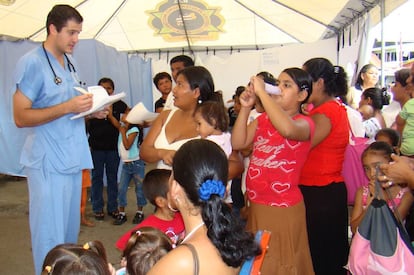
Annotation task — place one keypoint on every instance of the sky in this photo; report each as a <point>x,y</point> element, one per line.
<point>399,24</point>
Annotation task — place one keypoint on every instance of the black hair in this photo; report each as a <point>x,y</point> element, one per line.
<point>107,80</point>
<point>155,184</point>
<point>335,78</point>
<point>185,59</point>
<point>239,90</point>
<point>379,148</point>
<point>200,77</point>
<point>359,82</point>
<point>402,75</point>
<point>267,78</point>
<point>194,163</point>
<point>392,134</point>
<point>301,78</point>
<point>60,15</point>
<point>140,132</point>
<point>74,259</point>
<point>145,247</point>
<point>160,76</point>
<point>379,97</point>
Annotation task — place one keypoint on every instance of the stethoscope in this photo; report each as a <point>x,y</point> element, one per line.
<point>71,68</point>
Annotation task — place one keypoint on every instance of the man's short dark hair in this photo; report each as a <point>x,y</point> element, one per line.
<point>160,76</point>
<point>187,61</point>
<point>60,15</point>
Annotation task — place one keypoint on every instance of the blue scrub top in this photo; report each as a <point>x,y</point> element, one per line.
<point>60,145</point>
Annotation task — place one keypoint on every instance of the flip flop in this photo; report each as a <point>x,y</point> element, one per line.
<point>87,223</point>
<point>99,216</point>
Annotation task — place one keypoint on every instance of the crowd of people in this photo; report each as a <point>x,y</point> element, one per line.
<point>293,129</point>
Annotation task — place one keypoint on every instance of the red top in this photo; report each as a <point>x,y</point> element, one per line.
<point>174,229</point>
<point>324,163</point>
<point>275,165</point>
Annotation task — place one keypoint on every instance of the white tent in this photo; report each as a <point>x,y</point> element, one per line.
<point>145,25</point>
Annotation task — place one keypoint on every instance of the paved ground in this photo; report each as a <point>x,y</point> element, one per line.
<point>15,248</point>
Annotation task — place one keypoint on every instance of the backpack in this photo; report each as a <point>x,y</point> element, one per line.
<point>381,244</point>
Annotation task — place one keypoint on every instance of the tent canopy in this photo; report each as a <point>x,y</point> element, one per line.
<point>138,25</point>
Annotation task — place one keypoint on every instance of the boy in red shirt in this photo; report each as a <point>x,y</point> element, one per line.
<point>155,187</point>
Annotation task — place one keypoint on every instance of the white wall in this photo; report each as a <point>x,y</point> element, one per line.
<point>231,69</point>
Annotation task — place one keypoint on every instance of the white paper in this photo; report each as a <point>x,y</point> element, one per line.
<point>139,114</point>
<point>100,99</point>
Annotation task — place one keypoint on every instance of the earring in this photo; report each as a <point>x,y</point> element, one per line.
<point>171,208</point>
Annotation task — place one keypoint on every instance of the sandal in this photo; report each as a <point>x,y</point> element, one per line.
<point>99,216</point>
<point>114,214</point>
<point>86,222</point>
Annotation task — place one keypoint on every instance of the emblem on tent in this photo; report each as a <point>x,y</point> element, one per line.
<point>175,20</point>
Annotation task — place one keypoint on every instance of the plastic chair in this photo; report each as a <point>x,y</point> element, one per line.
<point>252,266</point>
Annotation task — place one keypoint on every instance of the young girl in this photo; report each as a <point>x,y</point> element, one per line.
<point>213,124</point>
<point>377,98</point>
<point>89,258</point>
<point>281,139</point>
<point>321,180</point>
<point>144,248</point>
<point>132,168</point>
<point>377,153</point>
<point>390,136</point>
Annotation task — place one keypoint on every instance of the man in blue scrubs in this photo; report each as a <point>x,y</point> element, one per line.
<point>56,149</point>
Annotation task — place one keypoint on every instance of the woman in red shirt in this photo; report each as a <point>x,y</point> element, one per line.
<point>322,184</point>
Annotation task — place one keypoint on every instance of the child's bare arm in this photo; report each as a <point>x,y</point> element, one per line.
<point>358,211</point>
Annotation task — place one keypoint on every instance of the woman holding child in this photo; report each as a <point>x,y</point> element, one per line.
<point>173,128</point>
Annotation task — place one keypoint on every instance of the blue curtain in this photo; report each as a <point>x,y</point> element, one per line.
<point>95,60</point>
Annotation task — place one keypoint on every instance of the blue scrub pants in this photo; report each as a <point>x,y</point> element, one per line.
<point>54,211</point>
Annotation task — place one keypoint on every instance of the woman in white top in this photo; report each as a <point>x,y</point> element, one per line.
<point>173,128</point>
<point>367,78</point>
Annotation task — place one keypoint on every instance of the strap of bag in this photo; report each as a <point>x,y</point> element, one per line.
<point>378,194</point>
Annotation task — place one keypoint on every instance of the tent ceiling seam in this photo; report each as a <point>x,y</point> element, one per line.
<point>41,29</point>
<point>267,21</point>
<point>110,18</point>
<point>304,15</point>
<point>185,27</point>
